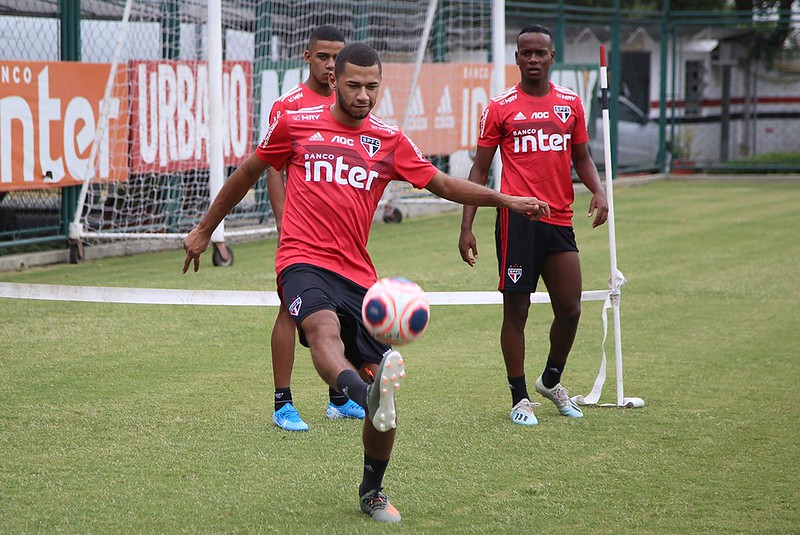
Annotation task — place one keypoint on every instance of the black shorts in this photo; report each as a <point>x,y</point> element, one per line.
<point>305,289</point>
<point>523,246</point>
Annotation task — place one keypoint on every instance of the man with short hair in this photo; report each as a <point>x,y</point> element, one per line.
<point>339,160</point>
<point>540,128</point>
<point>324,44</point>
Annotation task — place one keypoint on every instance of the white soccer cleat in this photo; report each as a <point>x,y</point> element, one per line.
<point>380,398</point>
<point>522,413</point>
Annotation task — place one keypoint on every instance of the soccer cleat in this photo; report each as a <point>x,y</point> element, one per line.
<point>559,395</point>
<point>522,413</point>
<point>288,419</point>
<point>380,396</point>
<point>377,506</point>
<point>351,409</point>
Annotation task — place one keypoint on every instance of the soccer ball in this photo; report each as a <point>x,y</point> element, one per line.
<point>395,311</point>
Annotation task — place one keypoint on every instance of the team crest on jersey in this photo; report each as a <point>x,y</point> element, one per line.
<point>294,308</point>
<point>371,145</point>
<point>514,273</point>
<point>563,112</point>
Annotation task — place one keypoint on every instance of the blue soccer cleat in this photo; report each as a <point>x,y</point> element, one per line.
<point>288,419</point>
<point>351,409</point>
<point>559,395</point>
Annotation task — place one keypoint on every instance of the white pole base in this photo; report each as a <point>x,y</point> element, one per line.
<point>627,403</point>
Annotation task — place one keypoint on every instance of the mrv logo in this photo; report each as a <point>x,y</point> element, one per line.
<point>327,168</point>
<point>533,140</point>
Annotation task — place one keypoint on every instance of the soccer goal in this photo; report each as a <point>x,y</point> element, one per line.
<point>191,84</point>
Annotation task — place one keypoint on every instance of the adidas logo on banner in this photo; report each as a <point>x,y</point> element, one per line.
<point>520,116</point>
<point>385,108</point>
<point>417,119</point>
<point>444,113</point>
<point>316,137</point>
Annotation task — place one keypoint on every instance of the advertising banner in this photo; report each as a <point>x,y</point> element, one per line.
<point>169,114</point>
<point>49,119</point>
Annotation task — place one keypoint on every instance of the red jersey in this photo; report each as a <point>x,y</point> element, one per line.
<point>535,135</point>
<point>336,175</point>
<point>300,96</point>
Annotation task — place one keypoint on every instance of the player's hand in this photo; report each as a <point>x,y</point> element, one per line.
<point>598,207</point>
<point>468,247</point>
<point>532,208</point>
<point>194,244</point>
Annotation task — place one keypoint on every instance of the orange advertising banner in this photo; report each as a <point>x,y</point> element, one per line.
<point>445,106</point>
<point>50,113</point>
<point>170,115</point>
<point>449,99</point>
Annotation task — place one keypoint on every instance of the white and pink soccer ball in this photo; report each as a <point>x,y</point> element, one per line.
<point>395,311</point>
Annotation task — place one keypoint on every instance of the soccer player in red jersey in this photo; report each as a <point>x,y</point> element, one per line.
<point>324,44</point>
<point>540,128</point>
<point>339,160</point>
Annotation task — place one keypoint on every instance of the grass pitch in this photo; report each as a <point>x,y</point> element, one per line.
<point>157,419</point>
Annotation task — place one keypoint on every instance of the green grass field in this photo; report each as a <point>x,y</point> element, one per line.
<point>157,419</point>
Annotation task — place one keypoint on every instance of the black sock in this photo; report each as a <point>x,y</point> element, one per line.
<point>373,475</point>
<point>352,386</point>
<point>336,397</point>
<point>552,373</point>
<point>283,396</point>
<point>519,390</point>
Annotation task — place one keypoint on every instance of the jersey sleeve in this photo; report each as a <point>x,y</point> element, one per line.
<point>276,147</point>
<point>278,109</point>
<point>411,165</point>
<point>579,133</point>
<point>490,133</point>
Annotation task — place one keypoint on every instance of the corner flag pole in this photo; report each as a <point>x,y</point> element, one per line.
<point>617,279</point>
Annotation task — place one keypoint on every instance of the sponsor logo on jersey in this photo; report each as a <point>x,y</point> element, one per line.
<point>343,140</point>
<point>540,115</point>
<point>563,112</point>
<point>562,96</point>
<point>520,116</point>
<point>514,273</point>
<point>297,96</point>
<point>317,137</point>
<point>371,145</point>
<point>508,100</point>
<point>294,308</point>
<point>323,167</point>
<point>536,139</point>
<point>305,116</point>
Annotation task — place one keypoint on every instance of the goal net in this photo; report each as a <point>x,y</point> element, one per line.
<point>148,173</point>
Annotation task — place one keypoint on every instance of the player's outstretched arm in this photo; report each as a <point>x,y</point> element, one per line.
<point>469,193</point>
<point>587,173</point>
<point>234,190</point>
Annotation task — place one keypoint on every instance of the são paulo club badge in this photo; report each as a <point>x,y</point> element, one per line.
<point>514,273</point>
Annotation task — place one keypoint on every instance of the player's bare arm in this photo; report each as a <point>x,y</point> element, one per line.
<point>479,174</point>
<point>587,173</point>
<point>276,189</point>
<point>229,196</point>
<point>466,192</point>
